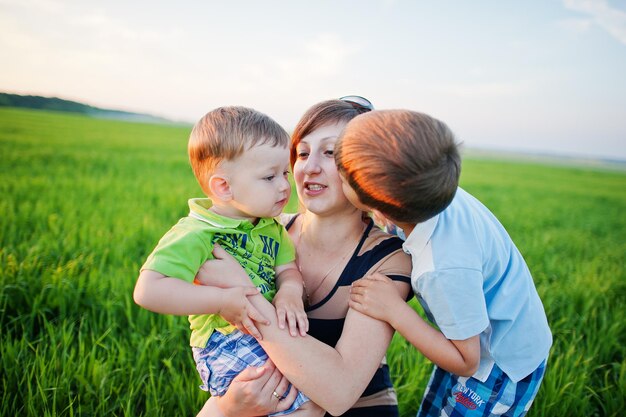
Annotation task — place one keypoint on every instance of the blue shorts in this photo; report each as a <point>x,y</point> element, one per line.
<point>225,356</point>
<point>450,395</point>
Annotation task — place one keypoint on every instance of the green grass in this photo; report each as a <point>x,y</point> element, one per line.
<point>85,200</point>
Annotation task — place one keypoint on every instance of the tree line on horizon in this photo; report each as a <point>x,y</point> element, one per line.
<point>62,105</point>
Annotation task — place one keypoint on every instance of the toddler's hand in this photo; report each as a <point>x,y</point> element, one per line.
<point>375,295</point>
<point>290,310</point>
<point>239,312</point>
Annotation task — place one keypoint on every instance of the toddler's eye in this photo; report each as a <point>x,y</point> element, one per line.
<point>286,173</point>
<point>269,178</point>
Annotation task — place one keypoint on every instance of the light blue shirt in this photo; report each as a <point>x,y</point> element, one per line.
<point>471,280</point>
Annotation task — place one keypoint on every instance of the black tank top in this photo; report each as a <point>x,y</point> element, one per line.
<point>329,331</point>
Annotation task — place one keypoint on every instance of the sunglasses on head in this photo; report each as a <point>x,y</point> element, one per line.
<point>360,104</point>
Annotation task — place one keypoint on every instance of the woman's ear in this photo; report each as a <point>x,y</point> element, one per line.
<point>220,189</point>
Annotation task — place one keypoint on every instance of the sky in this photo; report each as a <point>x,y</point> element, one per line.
<point>540,76</point>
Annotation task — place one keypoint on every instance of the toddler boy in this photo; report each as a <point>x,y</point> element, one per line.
<point>240,158</point>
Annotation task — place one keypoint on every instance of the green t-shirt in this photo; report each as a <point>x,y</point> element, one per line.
<point>186,246</point>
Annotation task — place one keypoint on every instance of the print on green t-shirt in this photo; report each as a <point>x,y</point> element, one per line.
<point>259,248</point>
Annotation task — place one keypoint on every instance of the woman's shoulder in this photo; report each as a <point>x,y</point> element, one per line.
<point>386,254</point>
<point>376,237</point>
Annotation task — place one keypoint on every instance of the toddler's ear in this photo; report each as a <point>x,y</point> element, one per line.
<point>220,188</point>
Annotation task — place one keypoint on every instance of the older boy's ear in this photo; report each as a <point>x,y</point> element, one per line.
<point>220,188</point>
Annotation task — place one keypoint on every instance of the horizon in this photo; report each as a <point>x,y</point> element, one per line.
<point>538,77</point>
<point>540,156</point>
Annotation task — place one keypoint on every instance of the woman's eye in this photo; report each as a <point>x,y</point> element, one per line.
<point>302,155</point>
<point>329,152</point>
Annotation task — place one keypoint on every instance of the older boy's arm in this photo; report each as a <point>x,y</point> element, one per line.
<point>460,357</point>
<point>377,296</point>
<point>289,299</point>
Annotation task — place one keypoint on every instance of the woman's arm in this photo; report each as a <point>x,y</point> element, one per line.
<point>334,378</point>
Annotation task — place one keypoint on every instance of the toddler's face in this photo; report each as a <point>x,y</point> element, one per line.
<point>258,182</point>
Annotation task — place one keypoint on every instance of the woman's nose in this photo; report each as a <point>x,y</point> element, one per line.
<point>312,165</point>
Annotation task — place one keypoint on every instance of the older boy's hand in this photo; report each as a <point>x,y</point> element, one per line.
<point>239,312</point>
<point>290,309</point>
<point>376,296</point>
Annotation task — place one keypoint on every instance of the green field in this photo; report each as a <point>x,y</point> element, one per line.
<point>85,200</point>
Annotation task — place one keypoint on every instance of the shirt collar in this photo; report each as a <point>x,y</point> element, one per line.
<point>419,237</point>
<point>199,209</point>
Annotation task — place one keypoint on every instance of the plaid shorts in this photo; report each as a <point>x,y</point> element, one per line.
<point>225,356</point>
<point>449,395</point>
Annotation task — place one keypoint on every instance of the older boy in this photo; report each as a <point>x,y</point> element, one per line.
<point>469,277</point>
<point>240,158</point>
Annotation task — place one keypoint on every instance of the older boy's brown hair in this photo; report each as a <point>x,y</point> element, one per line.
<point>402,163</point>
<point>225,133</point>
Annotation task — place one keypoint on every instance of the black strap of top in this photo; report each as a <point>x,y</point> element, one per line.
<point>292,221</point>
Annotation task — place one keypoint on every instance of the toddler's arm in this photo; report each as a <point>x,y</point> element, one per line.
<point>289,299</point>
<point>377,296</point>
<point>225,272</point>
<point>162,294</point>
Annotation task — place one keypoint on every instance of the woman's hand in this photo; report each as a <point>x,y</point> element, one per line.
<point>224,271</point>
<point>376,296</point>
<point>252,393</point>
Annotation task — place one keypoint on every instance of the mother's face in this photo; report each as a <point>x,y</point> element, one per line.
<point>315,173</point>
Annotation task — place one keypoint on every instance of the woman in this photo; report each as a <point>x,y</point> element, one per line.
<point>340,367</point>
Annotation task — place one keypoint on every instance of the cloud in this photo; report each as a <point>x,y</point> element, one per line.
<point>325,55</point>
<point>319,59</point>
<point>99,26</point>
<point>47,6</point>
<point>576,25</point>
<point>610,19</point>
